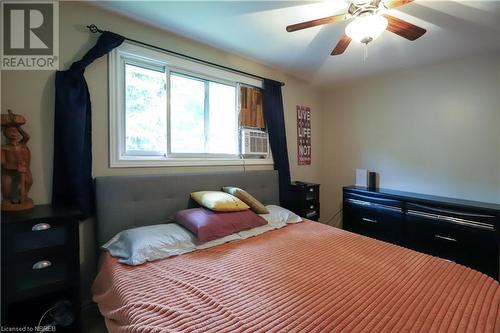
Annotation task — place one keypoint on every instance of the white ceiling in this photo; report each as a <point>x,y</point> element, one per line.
<point>256,30</point>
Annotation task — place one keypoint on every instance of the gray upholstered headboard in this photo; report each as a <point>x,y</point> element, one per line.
<point>125,202</point>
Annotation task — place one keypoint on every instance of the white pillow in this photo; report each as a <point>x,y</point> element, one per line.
<point>218,241</point>
<point>279,216</point>
<point>258,230</point>
<point>138,245</point>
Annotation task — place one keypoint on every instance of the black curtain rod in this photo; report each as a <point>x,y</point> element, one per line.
<point>94,29</point>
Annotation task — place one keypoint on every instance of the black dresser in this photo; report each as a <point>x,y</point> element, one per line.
<point>466,232</point>
<point>305,200</point>
<point>40,267</point>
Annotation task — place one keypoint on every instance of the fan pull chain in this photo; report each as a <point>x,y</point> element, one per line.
<point>365,49</point>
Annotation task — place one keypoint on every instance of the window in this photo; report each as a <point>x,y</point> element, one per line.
<point>145,119</point>
<point>203,116</point>
<point>166,110</point>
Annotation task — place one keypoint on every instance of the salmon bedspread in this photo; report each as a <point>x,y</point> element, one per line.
<point>306,277</point>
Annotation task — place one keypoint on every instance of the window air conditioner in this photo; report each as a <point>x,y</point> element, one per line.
<point>254,142</point>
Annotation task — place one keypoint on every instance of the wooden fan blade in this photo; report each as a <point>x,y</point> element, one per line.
<point>314,23</point>
<point>396,3</point>
<point>403,28</point>
<point>341,45</point>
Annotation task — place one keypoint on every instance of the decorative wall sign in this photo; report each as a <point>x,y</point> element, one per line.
<point>303,135</point>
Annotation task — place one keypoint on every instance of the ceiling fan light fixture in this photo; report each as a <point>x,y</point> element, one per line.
<point>366,28</point>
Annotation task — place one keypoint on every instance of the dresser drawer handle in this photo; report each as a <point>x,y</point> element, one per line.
<point>449,239</point>
<point>41,227</point>
<point>42,264</point>
<point>369,220</point>
<point>311,189</point>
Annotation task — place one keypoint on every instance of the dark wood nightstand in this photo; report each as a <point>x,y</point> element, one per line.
<point>40,265</point>
<point>305,200</point>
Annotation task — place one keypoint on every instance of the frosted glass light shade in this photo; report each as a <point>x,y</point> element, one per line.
<point>366,28</point>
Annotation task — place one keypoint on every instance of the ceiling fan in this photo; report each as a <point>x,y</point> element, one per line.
<point>369,21</point>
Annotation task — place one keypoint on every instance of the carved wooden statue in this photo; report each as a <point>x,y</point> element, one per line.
<point>16,157</point>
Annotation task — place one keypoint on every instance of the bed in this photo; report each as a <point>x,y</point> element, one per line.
<point>305,277</point>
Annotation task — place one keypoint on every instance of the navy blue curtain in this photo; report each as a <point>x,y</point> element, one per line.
<point>72,175</point>
<point>272,101</point>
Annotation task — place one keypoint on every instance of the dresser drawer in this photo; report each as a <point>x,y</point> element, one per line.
<point>371,201</point>
<point>475,246</point>
<point>35,235</point>
<point>462,231</point>
<point>373,220</point>
<point>461,217</point>
<point>34,274</point>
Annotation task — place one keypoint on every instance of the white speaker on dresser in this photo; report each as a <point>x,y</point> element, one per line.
<point>362,177</point>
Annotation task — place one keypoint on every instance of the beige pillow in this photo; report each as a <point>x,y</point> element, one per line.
<point>247,198</point>
<point>219,201</point>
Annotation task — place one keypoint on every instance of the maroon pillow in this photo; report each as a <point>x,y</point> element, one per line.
<point>208,225</point>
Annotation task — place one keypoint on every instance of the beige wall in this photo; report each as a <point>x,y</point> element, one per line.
<point>31,93</point>
<point>433,129</point>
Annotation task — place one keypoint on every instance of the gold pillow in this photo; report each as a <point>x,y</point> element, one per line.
<point>247,198</point>
<point>219,201</point>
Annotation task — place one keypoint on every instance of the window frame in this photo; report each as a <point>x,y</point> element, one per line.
<point>149,58</point>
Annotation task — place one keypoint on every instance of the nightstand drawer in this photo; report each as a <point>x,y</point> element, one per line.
<point>311,205</point>
<point>28,313</point>
<point>40,271</point>
<point>312,193</point>
<point>35,235</point>
<point>311,210</point>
